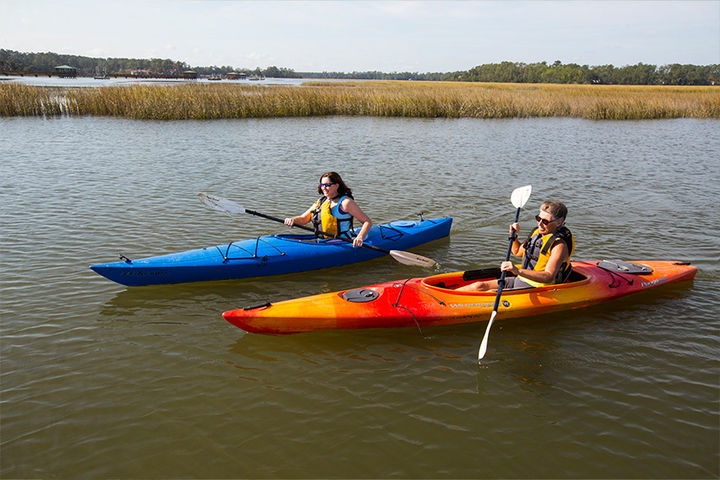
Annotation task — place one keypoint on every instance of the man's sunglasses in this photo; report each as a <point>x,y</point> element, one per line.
<point>543,220</point>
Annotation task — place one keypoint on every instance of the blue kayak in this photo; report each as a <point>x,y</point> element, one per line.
<point>271,255</point>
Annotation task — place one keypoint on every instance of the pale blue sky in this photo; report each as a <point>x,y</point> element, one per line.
<point>390,36</point>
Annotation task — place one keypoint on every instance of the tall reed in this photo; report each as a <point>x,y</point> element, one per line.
<point>18,100</point>
<point>369,98</point>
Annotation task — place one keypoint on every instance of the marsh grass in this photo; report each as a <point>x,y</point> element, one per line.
<point>368,98</point>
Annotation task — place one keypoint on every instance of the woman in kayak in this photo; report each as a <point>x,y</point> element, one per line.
<point>546,253</point>
<point>334,211</point>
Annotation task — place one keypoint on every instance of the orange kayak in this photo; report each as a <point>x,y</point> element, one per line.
<point>419,302</point>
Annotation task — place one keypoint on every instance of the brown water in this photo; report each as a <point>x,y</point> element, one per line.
<point>103,381</point>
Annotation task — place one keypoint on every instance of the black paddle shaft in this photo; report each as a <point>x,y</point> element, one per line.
<point>280,220</point>
<point>501,281</point>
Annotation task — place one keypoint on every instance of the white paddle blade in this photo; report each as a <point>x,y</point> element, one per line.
<point>520,196</point>
<point>484,344</point>
<point>407,258</point>
<point>219,203</point>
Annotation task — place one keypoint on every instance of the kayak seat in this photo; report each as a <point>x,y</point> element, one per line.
<point>575,277</point>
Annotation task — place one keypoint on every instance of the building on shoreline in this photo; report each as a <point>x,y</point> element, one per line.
<point>66,71</point>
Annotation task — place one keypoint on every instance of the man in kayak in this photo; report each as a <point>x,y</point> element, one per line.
<point>546,253</point>
<point>334,211</point>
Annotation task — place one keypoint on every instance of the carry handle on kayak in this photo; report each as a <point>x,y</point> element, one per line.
<point>230,207</point>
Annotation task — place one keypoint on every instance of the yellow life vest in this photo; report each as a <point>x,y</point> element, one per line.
<point>537,253</point>
<point>331,220</point>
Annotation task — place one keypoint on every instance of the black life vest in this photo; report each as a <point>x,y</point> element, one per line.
<point>537,253</point>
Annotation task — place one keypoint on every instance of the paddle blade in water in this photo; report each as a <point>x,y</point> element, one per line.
<point>408,258</point>
<point>520,196</point>
<point>484,344</point>
<point>219,203</point>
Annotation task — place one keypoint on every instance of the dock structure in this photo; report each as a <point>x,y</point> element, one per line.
<point>34,73</point>
<point>66,71</point>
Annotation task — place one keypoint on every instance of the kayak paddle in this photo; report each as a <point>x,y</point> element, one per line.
<point>230,207</point>
<point>518,198</point>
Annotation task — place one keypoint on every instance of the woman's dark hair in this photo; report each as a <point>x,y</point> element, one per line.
<point>336,178</point>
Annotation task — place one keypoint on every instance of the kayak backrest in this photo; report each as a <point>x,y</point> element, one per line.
<point>483,273</point>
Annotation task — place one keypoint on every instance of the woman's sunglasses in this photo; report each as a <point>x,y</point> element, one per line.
<point>543,220</point>
<point>327,185</point>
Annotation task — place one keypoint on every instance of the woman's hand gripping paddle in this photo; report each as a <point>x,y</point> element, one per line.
<point>229,207</point>
<point>518,198</point>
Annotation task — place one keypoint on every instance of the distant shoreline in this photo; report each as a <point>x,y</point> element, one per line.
<point>415,99</point>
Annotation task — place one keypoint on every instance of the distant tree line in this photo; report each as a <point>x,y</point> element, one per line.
<point>12,61</point>
<point>509,72</point>
<point>640,74</point>
<point>46,62</point>
<point>375,75</point>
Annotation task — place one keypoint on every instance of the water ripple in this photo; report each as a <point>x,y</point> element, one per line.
<point>94,374</point>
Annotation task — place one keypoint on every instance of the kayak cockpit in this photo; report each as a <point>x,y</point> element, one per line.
<point>307,238</point>
<point>455,280</point>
